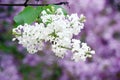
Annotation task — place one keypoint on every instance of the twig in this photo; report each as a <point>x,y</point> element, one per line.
<point>25,4</point>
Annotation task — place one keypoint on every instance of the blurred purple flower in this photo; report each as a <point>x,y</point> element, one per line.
<point>8,69</point>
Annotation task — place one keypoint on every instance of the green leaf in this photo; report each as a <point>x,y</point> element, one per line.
<point>28,15</point>
<point>18,19</point>
<point>39,9</point>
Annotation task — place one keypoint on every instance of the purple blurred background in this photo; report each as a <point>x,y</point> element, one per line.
<point>102,33</point>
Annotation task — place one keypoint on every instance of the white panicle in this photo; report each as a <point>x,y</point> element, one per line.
<point>58,29</point>
<point>81,50</point>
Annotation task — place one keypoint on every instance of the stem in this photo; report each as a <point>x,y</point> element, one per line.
<point>65,47</point>
<point>25,4</point>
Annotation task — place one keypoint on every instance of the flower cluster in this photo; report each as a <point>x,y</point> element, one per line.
<point>58,29</point>
<point>80,50</point>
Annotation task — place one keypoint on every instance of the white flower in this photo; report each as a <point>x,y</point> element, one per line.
<point>60,52</point>
<point>75,23</point>
<point>56,29</point>
<point>59,11</point>
<point>30,36</point>
<point>82,18</point>
<point>77,56</point>
<point>80,51</point>
<point>44,12</point>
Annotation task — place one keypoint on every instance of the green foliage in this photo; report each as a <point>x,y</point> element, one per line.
<point>57,72</point>
<point>6,45</point>
<point>28,15</point>
<point>36,72</point>
<point>31,14</point>
<point>10,50</point>
<point>30,73</point>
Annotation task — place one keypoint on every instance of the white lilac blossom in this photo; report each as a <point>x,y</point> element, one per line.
<point>81,50</point>
<point>30,36</point>
<point>58,29</point>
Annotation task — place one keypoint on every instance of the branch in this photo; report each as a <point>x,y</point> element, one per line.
<point>25,4</point>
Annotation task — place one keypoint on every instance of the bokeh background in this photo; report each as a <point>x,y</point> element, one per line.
<point>102,33</point>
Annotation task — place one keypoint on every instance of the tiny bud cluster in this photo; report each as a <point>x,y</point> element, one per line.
<point>57,29</point>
